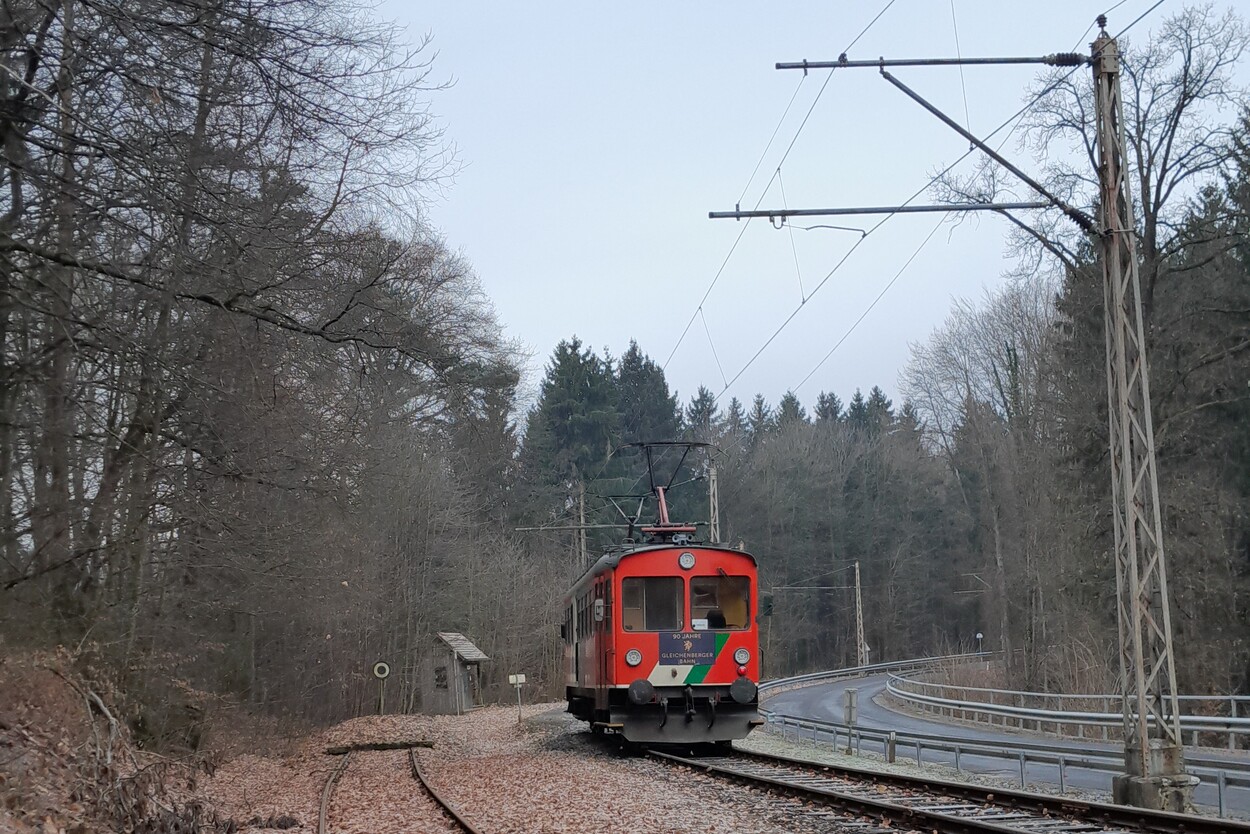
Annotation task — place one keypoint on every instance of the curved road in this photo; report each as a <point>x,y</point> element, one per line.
<point>825,702</point>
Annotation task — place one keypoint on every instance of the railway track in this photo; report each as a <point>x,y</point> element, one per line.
<point>867,801</point>
<point>450,811</point>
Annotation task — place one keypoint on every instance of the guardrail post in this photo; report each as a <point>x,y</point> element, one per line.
<point>1221,781</point>
<point>1063,781</point>
<point>850,710</point>
<point>918,748</point>
<point>958,769</point>
<point>1022,781</point>
<point>889,746</point>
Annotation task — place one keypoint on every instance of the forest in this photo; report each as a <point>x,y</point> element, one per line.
<point>260,426</point>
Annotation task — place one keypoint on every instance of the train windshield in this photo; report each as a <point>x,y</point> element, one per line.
<point>651,603</point>
<point>720,602</point>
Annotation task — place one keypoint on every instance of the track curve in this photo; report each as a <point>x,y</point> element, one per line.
<point>925,804</point>
<point>450,811</point>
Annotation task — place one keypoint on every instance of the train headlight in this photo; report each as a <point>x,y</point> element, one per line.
<point>741,656</point>
<point>633,657</point>
<point>686,560</point>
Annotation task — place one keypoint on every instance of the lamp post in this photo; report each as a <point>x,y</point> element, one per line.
<point>979,636</point>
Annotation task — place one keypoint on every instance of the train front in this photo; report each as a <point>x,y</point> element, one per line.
<point>686,659</point>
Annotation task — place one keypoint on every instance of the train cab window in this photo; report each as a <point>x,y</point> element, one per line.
<point>720,602</point>
<point>651,603</point>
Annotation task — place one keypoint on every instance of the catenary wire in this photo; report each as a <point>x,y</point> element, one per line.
<point>793,248</point>
<point>936,227</point>
<point>769,146</point>
<point>1139,19</point>
<point>712,346</point>
<point>870,307</point>
<point>1017,115</point>
<point>962,84</point>
<point>764,192</point>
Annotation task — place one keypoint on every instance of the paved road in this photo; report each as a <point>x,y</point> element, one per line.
<point>825,702</point>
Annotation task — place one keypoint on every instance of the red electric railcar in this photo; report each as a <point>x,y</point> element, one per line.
<point>661,639</point>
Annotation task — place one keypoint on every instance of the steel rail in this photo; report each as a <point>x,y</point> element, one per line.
<point>448,808</point>
<point>328,790</point>
<point>961,808</point>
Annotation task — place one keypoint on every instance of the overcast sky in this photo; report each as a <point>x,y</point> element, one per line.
<point>595,138</point>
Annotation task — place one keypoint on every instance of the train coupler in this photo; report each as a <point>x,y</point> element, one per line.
<point>689,693</point>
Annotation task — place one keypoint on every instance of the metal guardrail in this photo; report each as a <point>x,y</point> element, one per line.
<point>1222,775</point>
<point>1235,703</point>
<point>1082,721</point>
<point>1020,755</point>
<point>863,671</point>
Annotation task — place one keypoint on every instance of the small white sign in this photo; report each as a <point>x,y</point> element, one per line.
<point>516,680</point>
<point>699,623</point>
<point>381,669</point>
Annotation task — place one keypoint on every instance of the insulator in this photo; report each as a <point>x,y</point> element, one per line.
<point>1067,59</point>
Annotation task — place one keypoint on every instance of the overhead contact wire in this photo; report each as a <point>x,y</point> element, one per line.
<point>962,84</point>
<point>793,248</point>
<point>1014,117</point>
<point>880,295</point>
<point>1139,18</point>
<point>729,255</point>
<point>1017,117</point>
<point>711,344</point>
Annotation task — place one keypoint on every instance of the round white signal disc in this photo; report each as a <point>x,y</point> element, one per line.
<point>381,669</point>
<point>686,560</point>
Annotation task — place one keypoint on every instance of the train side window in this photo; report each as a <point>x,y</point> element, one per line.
<point>722,602</point>
<point>651,603</point>
<point>631,604</point>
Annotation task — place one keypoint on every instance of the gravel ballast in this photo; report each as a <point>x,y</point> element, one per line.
<point>543,773</point>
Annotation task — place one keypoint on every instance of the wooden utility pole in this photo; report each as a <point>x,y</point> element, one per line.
<point>1154,760</point>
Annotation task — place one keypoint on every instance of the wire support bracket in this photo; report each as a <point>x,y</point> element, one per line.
<point>738,214</point>
<point>1059,59</point>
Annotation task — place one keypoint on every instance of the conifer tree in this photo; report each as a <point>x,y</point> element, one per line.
<point>857,412</point>
<point>735,422</point>
<point>790,411</point>
<point>879,410</point>
<point>575,425</point>
<point>760,421</point>
<point>828,408</point>
<point>702,416</point>
<point>648,411</point>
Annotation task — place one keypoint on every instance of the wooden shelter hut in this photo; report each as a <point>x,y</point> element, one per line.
<point>451,683</point>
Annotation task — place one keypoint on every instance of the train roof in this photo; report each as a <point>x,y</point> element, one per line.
<point>608,561</point>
